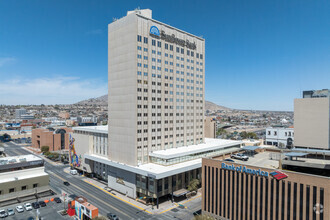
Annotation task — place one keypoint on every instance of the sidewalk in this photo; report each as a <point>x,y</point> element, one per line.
<point>163,207</point>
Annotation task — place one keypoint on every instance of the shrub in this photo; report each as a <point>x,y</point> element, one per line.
<point>45,149</point>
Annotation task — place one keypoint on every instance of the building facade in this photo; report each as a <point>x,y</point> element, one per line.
<point>156,87</point>
<point>56,140</point>
<point>312,120</point>
<point>235,191</point>
<point>22,175</point>
<point>280,137</point>
<point>210,127</point>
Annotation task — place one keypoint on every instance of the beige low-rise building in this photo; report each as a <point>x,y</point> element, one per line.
<point>312,120</point>
<point>22,176</point>
<point>210,127</point>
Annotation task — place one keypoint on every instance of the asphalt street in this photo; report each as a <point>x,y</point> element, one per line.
<point>95,196</point>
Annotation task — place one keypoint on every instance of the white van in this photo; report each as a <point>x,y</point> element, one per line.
<point>73,172</point>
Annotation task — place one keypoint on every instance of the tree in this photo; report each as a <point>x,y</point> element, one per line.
<point>193,185</point>
<point>221,131</point>
<point>45,149</point>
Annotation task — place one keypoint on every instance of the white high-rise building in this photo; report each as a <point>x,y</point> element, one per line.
<point>156,87</point>
<point>156,112</point>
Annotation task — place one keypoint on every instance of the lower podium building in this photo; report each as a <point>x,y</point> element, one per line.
<point>236,191</point>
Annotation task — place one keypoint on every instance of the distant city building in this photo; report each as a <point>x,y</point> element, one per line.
<point>27,117</point>
<point>56,140</point>
<point>64,115</point>
<point>280,136</point>
<point>19,113</point>
<point>312,120</point>
<point>210,127</point>
<point>87,121</point>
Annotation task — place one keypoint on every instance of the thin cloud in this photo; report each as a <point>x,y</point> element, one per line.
<point>55,90</point>
<point>6,60</point>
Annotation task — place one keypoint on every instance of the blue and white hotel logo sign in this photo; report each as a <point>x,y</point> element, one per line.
<point>154,31</point>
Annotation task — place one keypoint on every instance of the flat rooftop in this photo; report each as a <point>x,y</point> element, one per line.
<point>19,159</point>
<point>210,144</point>
<point>95,129</point>
<point>22,174</point>
<point>150,169</point>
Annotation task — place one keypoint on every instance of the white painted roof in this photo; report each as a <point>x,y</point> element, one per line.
<point>95,129</point>
<point>19,159</point>
<point>153,170</point>
<point>210,144</point>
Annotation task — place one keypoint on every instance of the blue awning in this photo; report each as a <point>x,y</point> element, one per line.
<point>252,148</point>
<point>295,154</point>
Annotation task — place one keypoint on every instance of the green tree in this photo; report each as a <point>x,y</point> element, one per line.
<point>45,149</point>
<point>221,131</point>
<point>193,185</point>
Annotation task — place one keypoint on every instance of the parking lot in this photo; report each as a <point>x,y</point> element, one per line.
<point>51,211</point>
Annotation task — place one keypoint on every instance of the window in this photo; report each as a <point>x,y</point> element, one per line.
<point>139,38</point>
<point>166,46</point>
<point>171,47</point>
<point>159,44</point>
<point>145,40</point>
<point>11,190</point>
<point>24,187</point>
<point>153,42</point>
<point>139,48</point>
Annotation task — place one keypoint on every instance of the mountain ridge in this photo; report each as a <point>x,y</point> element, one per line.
<point>103,100</point>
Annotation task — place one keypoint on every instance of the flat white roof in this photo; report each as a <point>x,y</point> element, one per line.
<point>19,159</point>
<point>210,144</point>
<point>150,169</point>
<point>22,174</point>
<point>95,129</point>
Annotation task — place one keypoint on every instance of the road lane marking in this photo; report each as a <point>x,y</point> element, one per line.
<point>191,199</point>
<point>92,195</point>
<point>118,197</point>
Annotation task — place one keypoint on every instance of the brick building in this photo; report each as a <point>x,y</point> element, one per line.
<point>56,139</point>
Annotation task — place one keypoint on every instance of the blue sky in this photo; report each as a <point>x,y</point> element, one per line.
<point>259,54</point>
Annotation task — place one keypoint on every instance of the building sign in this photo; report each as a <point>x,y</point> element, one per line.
<point>154,31</point>
<point>243,169</point>
<point>278,175</point>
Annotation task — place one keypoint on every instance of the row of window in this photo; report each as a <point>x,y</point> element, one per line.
<point>168,47</point>
<point>250,199</point>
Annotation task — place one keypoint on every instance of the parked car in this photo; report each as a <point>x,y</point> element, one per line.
<point>19,209</point>
<point>239,156</point>
<point>35,205</point>
<point>112,216</point>
<point>42,203</point>
<point>66,183</point>
<point>57,200</point>
<point>28,206</point>
<point>229,160</point>
<point>73,172</point>
<point>10,211</point>
<point>3,214</point>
